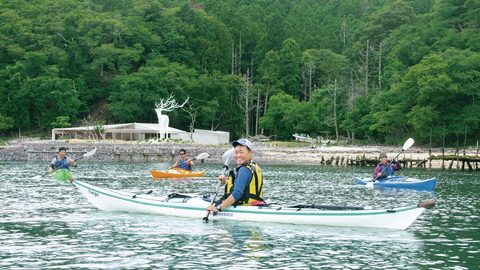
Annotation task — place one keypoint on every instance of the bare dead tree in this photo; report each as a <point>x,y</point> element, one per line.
<point>335,109</point>
<point>234,63</point>
<point>380,66</point>
<point>192,112</point>
<point>214,125</point>
<point>265,103</point>
<point>366,67</point>
<point>257,110</point>
<point>97,129</point>
<point>308,73</point>
<point>355,88</point>
<point>344,31</point>
<point>363,72</point>
<point>239,71</point>
<point>246,99</point>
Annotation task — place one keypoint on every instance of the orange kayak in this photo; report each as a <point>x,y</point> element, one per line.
<point>176,173</point>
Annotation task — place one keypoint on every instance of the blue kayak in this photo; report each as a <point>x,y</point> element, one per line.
<point>399,182</point>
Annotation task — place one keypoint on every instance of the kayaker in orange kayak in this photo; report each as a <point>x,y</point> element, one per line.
<point>183,162</point>
<point>244,185</point>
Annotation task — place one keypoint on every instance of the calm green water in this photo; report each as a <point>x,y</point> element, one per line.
<point>46,224</point>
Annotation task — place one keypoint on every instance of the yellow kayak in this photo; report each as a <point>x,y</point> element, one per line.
<point>176,173</point>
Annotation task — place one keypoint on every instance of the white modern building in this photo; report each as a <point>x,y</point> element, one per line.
<point>140,132</point>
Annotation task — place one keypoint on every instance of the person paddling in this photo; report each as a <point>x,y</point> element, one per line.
<point>383,169</point>
<point>183,162</point>
<point>61,161</point>
<point>244,185</point>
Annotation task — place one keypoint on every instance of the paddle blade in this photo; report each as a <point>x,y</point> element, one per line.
<point>227,156</point>
<point>408,144</point>
<point>202,156</point>
<point>428,204</point>
<point>369,184</point>
<point>90,153</point>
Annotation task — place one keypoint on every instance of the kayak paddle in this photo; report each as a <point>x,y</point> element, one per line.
<point>227,156</point>
<point>147,193</point>
<point>88,154</point>
<point>408,143</point>
<point>201,156</point>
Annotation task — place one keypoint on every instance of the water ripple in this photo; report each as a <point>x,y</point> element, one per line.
<point>45,224</point>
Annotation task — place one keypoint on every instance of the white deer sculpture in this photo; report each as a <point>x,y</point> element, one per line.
<point>166,106</point>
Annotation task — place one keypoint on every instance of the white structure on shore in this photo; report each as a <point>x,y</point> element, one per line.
<point>166,106</point>
<point>141,132</point>
<point>145,131</point>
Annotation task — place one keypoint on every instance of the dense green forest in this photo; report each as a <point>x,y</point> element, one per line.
<point>371,70</point>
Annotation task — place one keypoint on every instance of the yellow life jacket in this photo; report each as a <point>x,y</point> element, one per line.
<point>252,192</point>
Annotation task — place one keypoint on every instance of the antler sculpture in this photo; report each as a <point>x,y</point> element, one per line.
<point>169,104</point>
<point>166,106</point>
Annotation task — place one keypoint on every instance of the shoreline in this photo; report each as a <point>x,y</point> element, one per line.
<point>265,152</point>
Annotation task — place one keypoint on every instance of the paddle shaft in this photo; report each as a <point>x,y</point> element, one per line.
<point>225,168</point>
<point>201,156</point>
<point>89,153</point>
<point>77,159</point>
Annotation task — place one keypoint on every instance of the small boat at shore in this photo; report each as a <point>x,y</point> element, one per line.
<point>189,206</point>
<point>399,182</point>
<point>175,173</point>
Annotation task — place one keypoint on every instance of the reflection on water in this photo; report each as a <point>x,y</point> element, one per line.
<point>47,224</point>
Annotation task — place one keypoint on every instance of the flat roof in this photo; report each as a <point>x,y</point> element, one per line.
<point>128,127</point>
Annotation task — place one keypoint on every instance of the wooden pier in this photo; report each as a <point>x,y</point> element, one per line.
<point>462,162</point>
<point>447,159</point>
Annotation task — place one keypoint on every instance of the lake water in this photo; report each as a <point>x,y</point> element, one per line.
<point>45,224</point>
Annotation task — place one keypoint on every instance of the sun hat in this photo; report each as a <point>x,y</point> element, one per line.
<point>244,142</point>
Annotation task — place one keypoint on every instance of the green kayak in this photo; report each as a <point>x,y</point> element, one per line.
<point>62,175</point>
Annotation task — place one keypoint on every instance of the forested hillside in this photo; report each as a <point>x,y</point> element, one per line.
<point>372,70</point>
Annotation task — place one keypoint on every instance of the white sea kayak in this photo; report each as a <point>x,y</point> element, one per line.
<point>194,207</point>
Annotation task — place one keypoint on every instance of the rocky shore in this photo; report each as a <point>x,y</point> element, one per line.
<point>266,152</point>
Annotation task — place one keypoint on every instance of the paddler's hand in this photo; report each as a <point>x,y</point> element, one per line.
<point>212,208</point>
<point>222,179</point>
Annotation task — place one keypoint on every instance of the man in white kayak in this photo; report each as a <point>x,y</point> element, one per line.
<point>244,185</point>
<point>384,169</point>
<point>61,161</point>
<point>183,162</point>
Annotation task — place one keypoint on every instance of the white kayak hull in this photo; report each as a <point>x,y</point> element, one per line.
<point>194,207</point>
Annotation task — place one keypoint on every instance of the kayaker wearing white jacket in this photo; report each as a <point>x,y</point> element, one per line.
<point>245,185</point>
